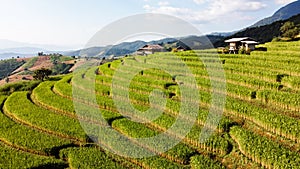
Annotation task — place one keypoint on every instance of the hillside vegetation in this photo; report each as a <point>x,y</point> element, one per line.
<point>7,66</point>
<point>262,34</point>
<point>258,129</point>
<point>22,69</point>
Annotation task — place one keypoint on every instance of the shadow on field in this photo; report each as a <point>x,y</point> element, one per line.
<point>110,121</point>
<point>52,166</point>
<point>55,150</point>
<point>54,78</point>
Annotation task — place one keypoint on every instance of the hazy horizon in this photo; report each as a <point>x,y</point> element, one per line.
<point>70,24</point>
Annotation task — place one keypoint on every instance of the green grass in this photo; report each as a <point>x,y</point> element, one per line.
<point>201,161</point>
<point>30,63</point>
<point>18,86</point>
<point>27,138</point>
<point>260,127</point>
<point>45,96</point>
<point>89,158</point>
<point>10,158</point>
<point>264,151</point>
<point>44,119</point>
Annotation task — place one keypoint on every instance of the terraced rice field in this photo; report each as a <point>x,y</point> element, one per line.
<point>259,127</point>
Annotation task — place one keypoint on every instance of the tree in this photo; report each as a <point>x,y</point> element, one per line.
<point>40,53</point>
<point>42,74</point>
<point>174,50</point>
<point>289,30</point>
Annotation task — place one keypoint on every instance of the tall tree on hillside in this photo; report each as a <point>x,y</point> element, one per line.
<point>289,30</point>
<point>42,74</point>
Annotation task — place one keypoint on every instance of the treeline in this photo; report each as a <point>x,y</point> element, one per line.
<point>8,66</point>
<point>262,34</point>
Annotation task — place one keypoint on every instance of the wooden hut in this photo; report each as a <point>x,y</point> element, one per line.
<point>150,49</point>
<point>237,43</point>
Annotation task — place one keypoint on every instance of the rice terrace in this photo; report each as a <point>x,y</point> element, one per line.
<point>259,128</point>
<point>150,84</point>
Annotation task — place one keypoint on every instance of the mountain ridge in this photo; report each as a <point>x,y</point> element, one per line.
<point>283,13</point>
<point>256,31</point>
<point>262,34</point>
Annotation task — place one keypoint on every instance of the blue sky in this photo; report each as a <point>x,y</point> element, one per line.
<point>74,22</point>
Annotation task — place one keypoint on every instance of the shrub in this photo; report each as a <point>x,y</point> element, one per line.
<point>42,74</point>
<point>242,50</point>
<point>276,39</point>
<point>19,86</point>
<point>248,51</point>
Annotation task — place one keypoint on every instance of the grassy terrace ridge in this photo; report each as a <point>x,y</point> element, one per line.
<point>259,128</point>
<point>46,86</point>
<point>113,67</point>
<point>89,158</point>
<point>10,158</point>
<point>255,147</point>
<point>201,161</point>
<point>37,117</point>
<point>162,123</point>
<point>27,139</point>
<point>238,90</point>
<point>138,101</point>
<point>266,119</point>
<point>263,90</point>
<point>44,95</point>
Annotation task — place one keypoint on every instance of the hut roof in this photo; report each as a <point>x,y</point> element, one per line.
<point>250,42</point>
<point>239,39</point>
<point>152,47</point>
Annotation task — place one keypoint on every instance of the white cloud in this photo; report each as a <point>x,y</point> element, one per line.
<point>163,3</point>
<point>147,7</point>
<point>215,10</point>
<point>227,6</point>
<point>284,1</point>
<point>183,13</point>
<point>200,1</point>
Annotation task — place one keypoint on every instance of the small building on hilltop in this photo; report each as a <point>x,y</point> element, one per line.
<point>235,44</point>
<point>150,49</point>
<point>182,48</point>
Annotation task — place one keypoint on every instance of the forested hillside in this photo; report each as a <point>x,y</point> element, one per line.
<point>262,34</point>
<point>7,66</point>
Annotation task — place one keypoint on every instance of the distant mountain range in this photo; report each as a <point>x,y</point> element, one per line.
<point>263,31</point>
<point>283,13</point>
<point>22,52</point>
<point>9,49</point>
<point>10,55</point>
<point>125,48</point>
<point>116,50</point>
<point>225,34</point>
